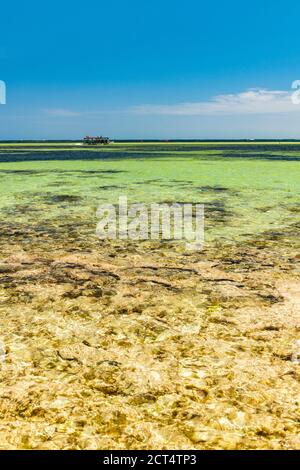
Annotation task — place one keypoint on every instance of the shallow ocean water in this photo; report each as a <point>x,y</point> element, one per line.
<point>246,189</point>
<point>144,345</point>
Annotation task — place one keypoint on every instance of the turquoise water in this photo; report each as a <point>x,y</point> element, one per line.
<point>246,191</point>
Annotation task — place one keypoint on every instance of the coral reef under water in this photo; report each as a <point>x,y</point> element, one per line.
<point>126,345</point>
<point>143,345</point>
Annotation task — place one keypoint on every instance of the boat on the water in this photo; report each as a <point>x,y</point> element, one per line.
<point>89,140</point>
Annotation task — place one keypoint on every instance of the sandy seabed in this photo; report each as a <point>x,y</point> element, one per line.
<point>147,346</point>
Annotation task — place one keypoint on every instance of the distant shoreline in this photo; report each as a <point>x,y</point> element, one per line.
<point>160,141</point>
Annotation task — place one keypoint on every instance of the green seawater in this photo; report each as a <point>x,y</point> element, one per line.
<point>247,190</point>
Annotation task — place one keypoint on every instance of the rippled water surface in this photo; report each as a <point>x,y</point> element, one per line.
<point>123,344</point>
<point>247,189</point>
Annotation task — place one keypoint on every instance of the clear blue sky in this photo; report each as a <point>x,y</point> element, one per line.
<point>128,68</point>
